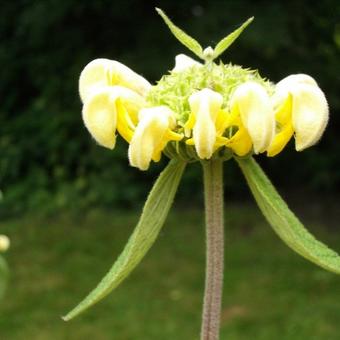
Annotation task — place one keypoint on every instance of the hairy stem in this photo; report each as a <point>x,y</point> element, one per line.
<point>213,196</point>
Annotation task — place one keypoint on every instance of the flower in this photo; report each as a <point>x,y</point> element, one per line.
<point>4,243</point>
<point>112,95</point>
<point>205,108</point>
<point>151,135</point>
<point>252,113</point>
<point>301,107</point>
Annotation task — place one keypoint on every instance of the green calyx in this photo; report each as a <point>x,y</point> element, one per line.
<point>173,90</point>
<point>187,153</point>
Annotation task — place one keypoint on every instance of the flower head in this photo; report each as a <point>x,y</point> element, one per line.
<point>206,107</point>
<point>209,110</point>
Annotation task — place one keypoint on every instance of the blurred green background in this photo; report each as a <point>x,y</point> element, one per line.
<point>69,205</point>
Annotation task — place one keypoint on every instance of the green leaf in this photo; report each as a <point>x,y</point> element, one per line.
<point>3,276</point>
<point>284,222</point>
<point>229,39</point>
<point>154,213</point>
<point>183,37</point>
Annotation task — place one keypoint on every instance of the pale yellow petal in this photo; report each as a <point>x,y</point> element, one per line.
<point>285,87</point>
<point>95,75</point>
<point>100,118</point>
<point>124,76</point>
<point>101,111</point>
<point>149,135</point>
<point>183,62</point>
<point>296,79</point>
<point>205,105</point>
<point>257,115</point>
<point>310,115</point>
<point>104,72</point>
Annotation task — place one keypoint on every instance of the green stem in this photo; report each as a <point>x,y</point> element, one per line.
<point>213,197</point>
<point>3,276</point>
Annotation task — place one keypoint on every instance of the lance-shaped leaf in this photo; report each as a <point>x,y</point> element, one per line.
<point>3,276</point>
<point>183,37</point>
<point>283,220</point>
<point>155,211</point>
<point>229,39</point>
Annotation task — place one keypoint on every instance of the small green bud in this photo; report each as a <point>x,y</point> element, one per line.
<point>208,54</point>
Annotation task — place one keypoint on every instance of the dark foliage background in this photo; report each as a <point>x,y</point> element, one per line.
<point>48,160</point>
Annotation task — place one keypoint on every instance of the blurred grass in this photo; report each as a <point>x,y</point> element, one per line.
<point>270,293</point>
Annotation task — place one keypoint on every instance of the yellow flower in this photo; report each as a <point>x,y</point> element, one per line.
<point>4,243</point>
<point>114,100</point>
<point>152,133</point>
<point>112,95</point>
<point>252,115</point>
<point>205,108</point>
<point>301,107</point>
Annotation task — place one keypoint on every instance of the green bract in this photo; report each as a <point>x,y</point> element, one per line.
<point>189,42</point>
<point>155,211</point>
<point>194,46</point>
<point>284,222</point>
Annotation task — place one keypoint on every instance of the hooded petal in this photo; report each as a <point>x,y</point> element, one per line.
<point>103,108</point>
<point>309,113</point>
<point>253,104</point>
<point>149,135</point>
<point>105,72</point>
<point>183,62</point>
<point>205,105</point>
<point>296,79</point>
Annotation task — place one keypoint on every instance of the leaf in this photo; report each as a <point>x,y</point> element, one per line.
<point>154,213</point>
<point>229,39</point>
<point>283,220</point>
<point>183,37</point>
<point>3,276</point>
